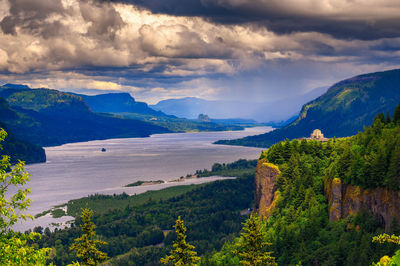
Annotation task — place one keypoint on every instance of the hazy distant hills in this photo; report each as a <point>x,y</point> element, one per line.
<point>343,110</point>
<point>124,105</point>
<point>118,103</point>
<point>265,111</point>
<point>49,117</point>
<point>189,107</point>
<point>45,117</point>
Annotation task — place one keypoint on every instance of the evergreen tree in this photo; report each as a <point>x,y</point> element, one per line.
<point>394,170</point>
<point>182,253</point>
<point>251,246</point>
<point>380,117</point>
<point>396,115</point>
<point>388,119</point>
<point>86,246</point>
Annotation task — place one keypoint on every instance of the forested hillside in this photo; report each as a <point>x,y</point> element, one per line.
<point>342,111</point>
<point>298,225</point>
<point>16,148</point>
<point>21,150</point>
<point>49,117</point>
<point>140,227</point>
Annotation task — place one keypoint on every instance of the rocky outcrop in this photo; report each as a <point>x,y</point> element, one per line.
<point>266,194</point>
<point>345,200</point>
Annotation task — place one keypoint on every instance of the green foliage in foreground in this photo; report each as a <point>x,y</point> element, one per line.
<point>86,246</point>
<point>386,260</point>
<point>251,246</point>
<point>182,253</point>
<point>138,233</point>
<point>16,248</point>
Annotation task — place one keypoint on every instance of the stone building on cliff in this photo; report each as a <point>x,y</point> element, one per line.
<point>316,135</point>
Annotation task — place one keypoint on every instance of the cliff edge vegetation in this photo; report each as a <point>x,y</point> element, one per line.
<point>354,178</point>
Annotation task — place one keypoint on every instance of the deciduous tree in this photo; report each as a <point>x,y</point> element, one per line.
<point>14,247</point>
<point>386,260</point>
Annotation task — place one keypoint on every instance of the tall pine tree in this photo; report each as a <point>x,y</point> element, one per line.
<point>396,115</point>
<point>251,246</point>
<point>86,246</point>
<point>182,253</point>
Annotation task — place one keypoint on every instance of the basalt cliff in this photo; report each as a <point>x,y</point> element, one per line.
<point>344,199</point>
<point>266,193</point>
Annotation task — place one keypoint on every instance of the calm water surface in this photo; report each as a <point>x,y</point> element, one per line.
<point>79,169</point>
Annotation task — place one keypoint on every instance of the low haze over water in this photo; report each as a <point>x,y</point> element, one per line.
<point>79,169</point>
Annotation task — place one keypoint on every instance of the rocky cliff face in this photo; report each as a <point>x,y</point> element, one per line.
<point>265,188</point>
<point>345,200</point>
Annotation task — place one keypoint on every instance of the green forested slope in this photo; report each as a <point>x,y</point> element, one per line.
<point>21,150</point>
<point>211,213</point>
<point>15,148</point>
<point>342,111</point>
<point>49,117</point>
<point>299,227</point>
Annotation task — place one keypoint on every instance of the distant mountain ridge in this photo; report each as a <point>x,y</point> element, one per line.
<point>118,103</point>
<point>48,117</point>
<point>191,107</point>
<point>188,107</point>
<point>343,110</point>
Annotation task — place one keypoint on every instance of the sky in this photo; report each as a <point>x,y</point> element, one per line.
<point>261,51</point>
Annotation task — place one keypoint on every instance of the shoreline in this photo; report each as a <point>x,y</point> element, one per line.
<point>46,219</point>
<point>77,170</point>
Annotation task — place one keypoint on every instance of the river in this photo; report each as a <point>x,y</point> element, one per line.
<point>77,170</point>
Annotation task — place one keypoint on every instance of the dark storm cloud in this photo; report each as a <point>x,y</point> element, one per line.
<point>31,15</point>
<point>259,50</point>
<point>284,19</point>
<point>105,20</point>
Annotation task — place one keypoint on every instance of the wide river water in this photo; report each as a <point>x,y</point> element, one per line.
<point>77,170</point>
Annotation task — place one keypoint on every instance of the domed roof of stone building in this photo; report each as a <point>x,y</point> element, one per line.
<point>317,134</point>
